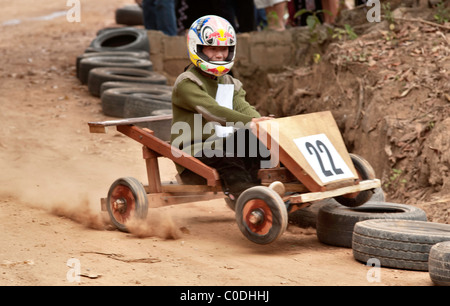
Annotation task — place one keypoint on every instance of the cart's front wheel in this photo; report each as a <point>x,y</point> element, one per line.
<point>126,198</point>
<point>365,172</point>
<point>261,214</point>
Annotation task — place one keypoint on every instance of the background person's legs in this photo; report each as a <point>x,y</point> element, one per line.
<point>275,16</point>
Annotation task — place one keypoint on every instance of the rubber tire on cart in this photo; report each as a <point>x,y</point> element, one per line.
<point>335,223</point>
<point>89,63</point>
<point>439,263</point>
<point>132,203</point>
<point>307,217</point>
<point>98,76</point>
<point>134,54</point>
<point>365,172</point>
<point>401,244</point>
<point>261,214</point>
<point>130,15</point>
<point>114,100</point>
<point>108,85</point>
<point>121,39</point>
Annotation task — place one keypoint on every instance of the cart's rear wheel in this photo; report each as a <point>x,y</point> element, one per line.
<point>126,198</point>
<point>261,214</point>
<point>365,172</point>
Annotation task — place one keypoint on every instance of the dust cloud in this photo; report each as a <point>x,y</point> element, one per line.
<point>157,224</point>
<point>71,186</point>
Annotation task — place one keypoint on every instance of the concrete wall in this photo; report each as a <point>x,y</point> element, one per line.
<point>265,50</point>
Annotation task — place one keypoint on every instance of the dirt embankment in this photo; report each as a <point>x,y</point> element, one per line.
<point>389,90</point>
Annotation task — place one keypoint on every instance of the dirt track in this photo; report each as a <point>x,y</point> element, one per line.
<point>54,173</point>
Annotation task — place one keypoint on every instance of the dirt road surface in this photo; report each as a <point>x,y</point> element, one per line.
<point>54,172</point>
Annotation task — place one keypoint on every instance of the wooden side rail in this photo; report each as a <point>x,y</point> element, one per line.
<point>176,155</point>
<point>153,143</point>
<point>100,127</point>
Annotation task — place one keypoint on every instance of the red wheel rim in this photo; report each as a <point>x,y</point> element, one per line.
<point>258,216</point>
<point>122,203</point>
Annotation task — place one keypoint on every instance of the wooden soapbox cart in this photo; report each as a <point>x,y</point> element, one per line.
<point>310,163</point>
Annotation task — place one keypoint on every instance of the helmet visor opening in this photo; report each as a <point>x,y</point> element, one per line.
<point>203,56</point>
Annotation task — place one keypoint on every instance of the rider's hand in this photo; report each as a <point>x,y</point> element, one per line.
<point>263,118</point>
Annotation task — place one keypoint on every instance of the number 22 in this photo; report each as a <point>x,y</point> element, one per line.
<point>315,151</point>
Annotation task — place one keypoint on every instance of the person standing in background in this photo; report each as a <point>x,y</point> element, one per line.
<point>244,13</point>
<point>160,15</point>
<point>239,13</point>
<point>329,10</point>
<point>332,6</point>
<point>275,10</point>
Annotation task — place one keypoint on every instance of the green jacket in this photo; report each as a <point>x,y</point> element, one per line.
<point>193,89</point>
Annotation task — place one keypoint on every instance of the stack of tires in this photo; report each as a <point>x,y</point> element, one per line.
<point>390,234</point>
<point>396,235</point>
<point>116,67</point>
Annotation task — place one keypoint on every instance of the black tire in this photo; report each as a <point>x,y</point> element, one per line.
<point>439,263</point>
<point>401,244</point>
<point>269,205</point>
<point>130,15</point>
<point>160,112</point>
<point>161,128</point>
<point>134,54</point>
<point>98,76</point>
<point>104,30</point>
<point>335,223</point>
<point>141,105</point>
<point>133,202</point>
<point>365,172</point>
<point>107,85</point>
<point>307,217</point>
<point>153,94</point>
<point>114,101</point>
<point>121,39</point>
<point>89,63</point>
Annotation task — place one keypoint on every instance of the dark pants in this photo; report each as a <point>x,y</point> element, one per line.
<point>160,15</point>
<point>237,165</point>
<point>242,11</point>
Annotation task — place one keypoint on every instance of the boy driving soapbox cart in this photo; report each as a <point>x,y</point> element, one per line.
<point>312,164</point>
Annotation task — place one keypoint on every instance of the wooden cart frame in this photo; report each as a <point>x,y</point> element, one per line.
<point>261,214</point>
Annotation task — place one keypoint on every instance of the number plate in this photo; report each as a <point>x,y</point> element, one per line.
<point>323,157</point>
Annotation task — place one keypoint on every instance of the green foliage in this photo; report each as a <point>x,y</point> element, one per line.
<point>442,14</point>
<point>346,32</point>
<point>388,12</point>
<point>395,180</point>
<point>312,22</point>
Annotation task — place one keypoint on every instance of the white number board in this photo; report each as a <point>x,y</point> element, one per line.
<point>323,158</point>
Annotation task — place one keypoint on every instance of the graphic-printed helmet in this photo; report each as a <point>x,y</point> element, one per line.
<point>211,31</point>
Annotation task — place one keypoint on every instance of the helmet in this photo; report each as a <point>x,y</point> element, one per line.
<point>211,31</point>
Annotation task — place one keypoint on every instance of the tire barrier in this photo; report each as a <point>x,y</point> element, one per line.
<point>89,63</point>
<point>439,263</point>
<point>98,76</point>
<point>134,54</point>
<point>335,223</point>
<point>116,101</point>
<point>402,244</point>
<point>121,39</point>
